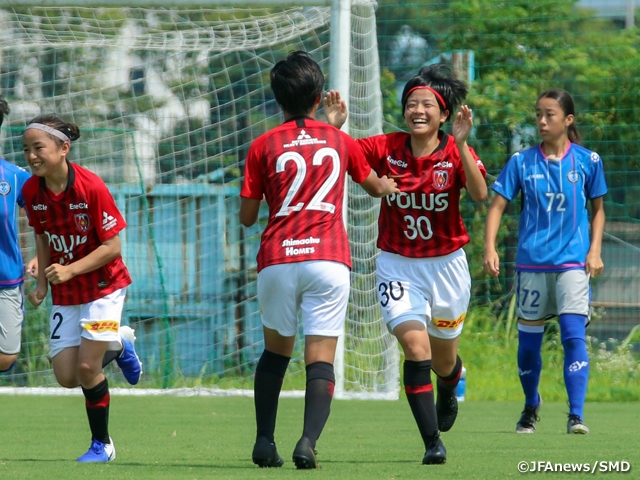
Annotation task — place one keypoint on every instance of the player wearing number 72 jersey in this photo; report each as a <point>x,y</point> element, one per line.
<point>556,256</point>
<point>304,260</point>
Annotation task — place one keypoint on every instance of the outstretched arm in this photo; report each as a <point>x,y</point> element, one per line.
<point>335,109</point>
<point>379,186</point>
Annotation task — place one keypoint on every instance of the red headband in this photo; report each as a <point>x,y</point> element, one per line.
<point>438,96</point>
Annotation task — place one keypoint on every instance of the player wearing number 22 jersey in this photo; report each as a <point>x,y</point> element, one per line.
<point>300,168</point>
<point>304,223</point>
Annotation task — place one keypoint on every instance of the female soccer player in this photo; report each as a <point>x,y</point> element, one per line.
<point>555,257</point>
<point>423,278</point>
<point>12,179</point>
<point>303,260</point>
<point>78,247</point>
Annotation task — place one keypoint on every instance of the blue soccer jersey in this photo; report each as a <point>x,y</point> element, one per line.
<point>12,178</point>
<point>554,223</point>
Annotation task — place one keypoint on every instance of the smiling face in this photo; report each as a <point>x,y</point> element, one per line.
<point>552,122</point>
<point>45,155</point>
<point>422,113</point>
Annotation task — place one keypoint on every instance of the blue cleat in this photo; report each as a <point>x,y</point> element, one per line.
<point>128,360</point>
<point>99,452</point>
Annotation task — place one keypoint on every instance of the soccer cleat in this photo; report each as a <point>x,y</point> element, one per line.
<point>265,454</point>
<point>575,426</point>
<point>436,454</point>
<point>99,452</point>
<point>529,417</point>
<point>128,360</point>
<point>447,410</point>
<point>304,455</point>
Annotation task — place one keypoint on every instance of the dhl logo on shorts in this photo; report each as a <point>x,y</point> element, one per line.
<point>451,324</point>
<point>102,326</point>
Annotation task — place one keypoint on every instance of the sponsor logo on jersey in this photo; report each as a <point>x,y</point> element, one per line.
<point>39,207</point>
<point>577,365</point>
<point>78,206</point>
<point>440,178</point>
<point>108,222</point>
<point>304,139</point>
<point>573,176</point>
<point>289,251</point>
<point>443,164</point>
<point>419,201</point>
<point>449,324</point>
<point>102,326</point>
<point>5,188</point>
<point>536,176</point>
<point>595,158</point>
<point>397,163</point>
<point>82,222</point>
<point>65,244</point>
<point>291,243</point>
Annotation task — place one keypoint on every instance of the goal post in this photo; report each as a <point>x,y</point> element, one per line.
<point>168,96</point>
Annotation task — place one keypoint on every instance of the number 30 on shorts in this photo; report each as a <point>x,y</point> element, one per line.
<point>390,291</point>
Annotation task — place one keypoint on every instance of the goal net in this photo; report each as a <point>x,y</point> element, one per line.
<point>168,101</point>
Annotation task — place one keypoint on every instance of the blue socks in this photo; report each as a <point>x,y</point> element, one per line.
<point>576,360</point>
<point>530,361</point>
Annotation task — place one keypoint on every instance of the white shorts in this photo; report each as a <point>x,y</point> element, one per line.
<point>11,316</point>
<point>98,320</point>
<point>540,295</point>
<point>318,289</point>
<point>435,291</point>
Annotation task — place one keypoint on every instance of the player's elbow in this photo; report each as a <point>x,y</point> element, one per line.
<point>246,221</point>
<point>481,196</point>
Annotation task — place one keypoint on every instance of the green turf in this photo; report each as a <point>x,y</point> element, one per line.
<point>211,438</point>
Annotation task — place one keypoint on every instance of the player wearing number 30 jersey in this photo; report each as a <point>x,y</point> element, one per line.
<point>424,220</point>
<point>422,274</point>
<point>303,262</point>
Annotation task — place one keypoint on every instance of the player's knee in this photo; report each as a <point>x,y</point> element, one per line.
<point>88,372</point>
<point>572,329</point>
<point>67,379</point>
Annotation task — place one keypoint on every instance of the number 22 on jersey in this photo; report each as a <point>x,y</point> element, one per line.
<point>316,202</point>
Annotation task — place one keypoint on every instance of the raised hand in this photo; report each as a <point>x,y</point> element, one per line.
<point>463,124</point>
<point>335,109</point>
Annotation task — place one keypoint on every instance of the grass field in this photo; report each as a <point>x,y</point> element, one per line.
<point>211,438</point>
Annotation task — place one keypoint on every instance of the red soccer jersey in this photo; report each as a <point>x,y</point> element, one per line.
<point>299,167</point>
<point>76,222</point>
<point>424,220</point>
